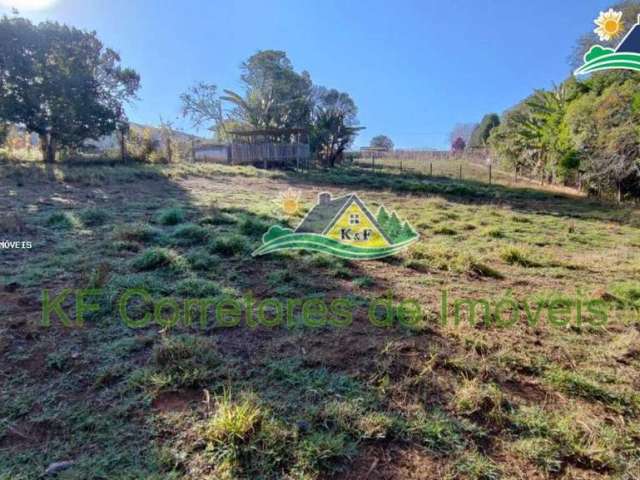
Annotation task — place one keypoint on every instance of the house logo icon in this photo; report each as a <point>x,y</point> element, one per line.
<point>343,227</point>
<point>625,56</point>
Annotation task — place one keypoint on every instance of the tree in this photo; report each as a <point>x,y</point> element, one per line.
<point>61,83</point>
<point>275,96</point>
<point>458,145</point>
<point>166,135</point>
<point>382,142</point>
<point>333,124</point>
<point>462,130</point>
<point>481,133</point>
<point>605,129</point>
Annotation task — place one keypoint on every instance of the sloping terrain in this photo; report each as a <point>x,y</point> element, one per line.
<point>551,395</point>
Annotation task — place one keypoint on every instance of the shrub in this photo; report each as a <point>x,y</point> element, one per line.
<point>171,216</point>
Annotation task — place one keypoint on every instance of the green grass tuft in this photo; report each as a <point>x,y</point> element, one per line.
<point>171,216</point>
<point>157,257</point>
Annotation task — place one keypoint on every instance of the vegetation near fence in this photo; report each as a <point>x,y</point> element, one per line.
<point>583,132</point>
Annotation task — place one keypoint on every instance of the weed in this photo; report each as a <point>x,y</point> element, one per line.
<point>542,452</point>
<point>485,400</point>
<point>181,361</point>
<point>475,466</point>
<point>233,422</point>
<point>323,451</point>
<point>518,256</point>
<point>436,431</point>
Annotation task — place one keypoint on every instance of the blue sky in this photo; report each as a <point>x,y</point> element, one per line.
<point>414,68</point>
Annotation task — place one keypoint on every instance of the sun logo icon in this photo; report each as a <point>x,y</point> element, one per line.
<point>609,25</point>
<point>290,201</point>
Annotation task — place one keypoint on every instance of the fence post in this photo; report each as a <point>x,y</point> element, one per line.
<point>431,169</point>
<point>401,164</point>
<point>460,175</point>
<point>489,174</point>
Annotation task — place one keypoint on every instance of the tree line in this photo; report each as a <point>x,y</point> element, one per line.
<point>583,132</point>
<point>62,84</point>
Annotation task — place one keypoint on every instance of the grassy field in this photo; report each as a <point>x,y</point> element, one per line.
<point>553,399</point>
<point>463,167</point>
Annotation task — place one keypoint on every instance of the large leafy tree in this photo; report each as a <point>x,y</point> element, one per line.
<point>334,124</point>
<point>61,83</point>
<point>275,96</point>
